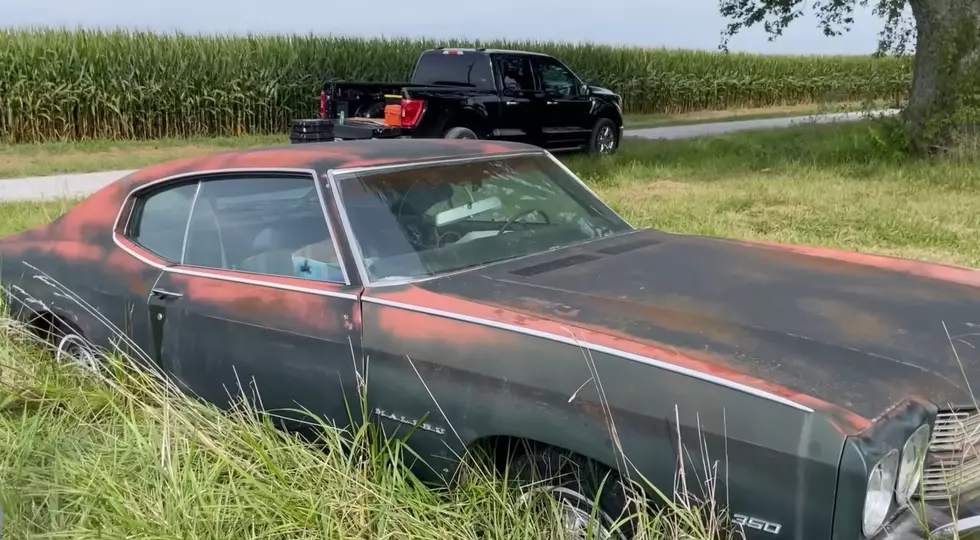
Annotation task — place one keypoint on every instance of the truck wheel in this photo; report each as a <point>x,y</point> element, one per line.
<point>573,482</point>
<point>460,132</point>
<point>604,140</point>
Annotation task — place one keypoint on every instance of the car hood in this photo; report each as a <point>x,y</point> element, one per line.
<point>861,334</point>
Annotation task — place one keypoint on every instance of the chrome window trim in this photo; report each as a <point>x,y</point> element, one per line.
<point>333,236</point>
<point>438,161</point>
<point>235,279</point>
<point>355,246</point>
<point>133,194</point>
<point>352,241</point>
<point>666,366</point>
<point>187,226</point>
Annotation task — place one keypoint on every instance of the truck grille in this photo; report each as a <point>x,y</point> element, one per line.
<point>953,463</point>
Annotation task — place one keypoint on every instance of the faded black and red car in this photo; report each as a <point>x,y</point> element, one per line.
<point>496,299</point>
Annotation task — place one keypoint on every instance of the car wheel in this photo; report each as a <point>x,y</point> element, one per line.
<point>460,132</point>
<point>604,140</point>
<point>74,349</point>
<point>573,482</point>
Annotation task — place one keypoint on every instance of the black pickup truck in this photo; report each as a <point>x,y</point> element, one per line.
<point>473,94</point>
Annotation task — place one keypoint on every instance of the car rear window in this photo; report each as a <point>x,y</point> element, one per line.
<point>464,68</point>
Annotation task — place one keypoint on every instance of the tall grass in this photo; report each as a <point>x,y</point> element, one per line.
<point>70,85</point>
<point>121,453</point>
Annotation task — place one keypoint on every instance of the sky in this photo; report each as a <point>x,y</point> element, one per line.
<point>690,24</point>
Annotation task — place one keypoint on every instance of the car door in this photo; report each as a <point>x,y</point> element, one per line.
<point>258,306</point>
<point>153,231</point>
<point>520,110</point>
<point>567,118</point>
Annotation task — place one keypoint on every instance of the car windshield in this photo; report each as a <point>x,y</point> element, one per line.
<point>426,220</point>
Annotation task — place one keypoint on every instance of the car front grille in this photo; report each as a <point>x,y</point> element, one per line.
<point>953,462</point>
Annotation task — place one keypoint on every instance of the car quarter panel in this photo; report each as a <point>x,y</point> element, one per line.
<point>72,268</point>
<point>470,378</point>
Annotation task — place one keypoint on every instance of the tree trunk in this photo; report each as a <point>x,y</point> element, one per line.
<point>944,102</point>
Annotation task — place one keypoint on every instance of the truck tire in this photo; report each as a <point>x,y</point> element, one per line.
<point>573,482</point>
<point>604,140</point>
<point>460,132</point>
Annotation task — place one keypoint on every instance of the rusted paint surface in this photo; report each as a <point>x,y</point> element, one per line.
<point>700,361</point>
<point>796,331</point>
<point>854,324</point>
<point>818,257</point>
<point>304,312</point>
<point>411,326</point>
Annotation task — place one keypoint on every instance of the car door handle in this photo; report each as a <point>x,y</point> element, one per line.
<point>162,293</point>
<point>510,103</point>
<point>552,103</point>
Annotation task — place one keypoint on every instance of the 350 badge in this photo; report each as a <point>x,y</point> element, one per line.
<point>756,523</point>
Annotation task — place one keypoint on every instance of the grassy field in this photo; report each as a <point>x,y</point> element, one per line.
<point>66,85</point>
<point>124,455</point>
<point>114,458</point>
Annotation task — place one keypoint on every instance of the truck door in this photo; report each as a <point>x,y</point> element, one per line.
<point>520,111</point>
<point>567,119</point>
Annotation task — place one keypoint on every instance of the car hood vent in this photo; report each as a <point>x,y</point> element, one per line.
<point>629,246</point>
<point>556,264</point>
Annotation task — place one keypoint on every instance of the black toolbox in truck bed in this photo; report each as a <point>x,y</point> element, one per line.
<point>328,129</point>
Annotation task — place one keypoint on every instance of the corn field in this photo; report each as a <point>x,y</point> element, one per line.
<point>72,85</point>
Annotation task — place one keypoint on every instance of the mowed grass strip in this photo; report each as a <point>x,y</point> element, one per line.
<point>829,185</point>
<point>28,160</point>
<point>832,185</point>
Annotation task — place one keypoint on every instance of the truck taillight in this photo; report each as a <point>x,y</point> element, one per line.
<point>323,104</point>
<point>412,111</point>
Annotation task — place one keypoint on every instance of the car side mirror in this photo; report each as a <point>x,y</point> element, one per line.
<point>584,89</point>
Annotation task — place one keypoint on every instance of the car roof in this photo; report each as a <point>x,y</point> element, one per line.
<point>336,155</point>
<point>487,51</point>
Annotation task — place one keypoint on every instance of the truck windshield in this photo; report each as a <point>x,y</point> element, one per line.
<point>469,69</point>
<point>427,220</point>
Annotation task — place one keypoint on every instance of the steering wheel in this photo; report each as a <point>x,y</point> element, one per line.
<point>522,214</point>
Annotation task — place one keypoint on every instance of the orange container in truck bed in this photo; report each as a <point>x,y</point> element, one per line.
<point>393,110</point>
<point>393,115</point>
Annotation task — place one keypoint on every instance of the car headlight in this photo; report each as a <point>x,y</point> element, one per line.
<point>878,499</point>
<point>910,469</point>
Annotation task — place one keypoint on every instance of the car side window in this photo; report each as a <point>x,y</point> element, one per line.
<point>269,225</point>
<point>555,78</point>
<point>515,74</point>
<point>159,219</point>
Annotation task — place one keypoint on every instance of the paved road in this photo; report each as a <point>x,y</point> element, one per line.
<point>716,128</point>
<point>79,185</point>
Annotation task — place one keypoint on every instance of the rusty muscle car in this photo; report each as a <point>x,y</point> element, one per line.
<point>495,299</point>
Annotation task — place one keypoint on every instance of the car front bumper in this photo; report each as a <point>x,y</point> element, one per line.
<point>934,523</point>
